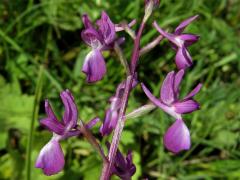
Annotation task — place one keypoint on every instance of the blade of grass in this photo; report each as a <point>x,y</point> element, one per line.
<point>38,93</point>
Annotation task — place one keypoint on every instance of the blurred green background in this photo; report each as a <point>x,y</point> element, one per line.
<point>41,53</point>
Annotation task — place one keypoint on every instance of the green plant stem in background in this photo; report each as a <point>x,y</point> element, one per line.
<point>38,94</point>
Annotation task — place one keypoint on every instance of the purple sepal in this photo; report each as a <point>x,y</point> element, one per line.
<point>189,39</point>
<point>177,137</point>
<point>51,121</point>
<point>187,106</point>
<point>86,21</point>
<point>107,28</point>
<point>94,66</point>
<point>51,158</point>
<point>159,103</point>
<point>54,126</point>
<point>177,80</point>
<point>193,92</point>
<point>110,122</point>
<point>70,116</point>
<point>167,91</point>
<point>180,28</point>
<point>92,122</point>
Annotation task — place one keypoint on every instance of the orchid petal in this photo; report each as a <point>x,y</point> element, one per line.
<point>109,123</point>
<point>49,111</point>
<point>177,80</point>
<point>51,158</point>
<point>92,123</point>
<point>184,24</point>
<point>107,28</point>
<point>193,92</point>
<point>189,39</point>
<point>94,66</point>
<point>71,113</point>
<point>169,36</point>
<point>167,91</point>
<point>177,137</point>
<point>86,22</point>
<point>185,107</point>
<point>158,103</point>
<point>52,125</point>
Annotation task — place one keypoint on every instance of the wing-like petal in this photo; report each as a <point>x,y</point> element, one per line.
<point>193,92</point>
<point>158,103</point>
<point>177,80</point>
<point>92,123</point>
<point>169,36</point>
<point>94,66</point>
<point>49,111</point>
<point>184,24</point>
<point>189,39</point>
<point>71,113</point>
<point>107,28</point>
<point>177,137</point>
<point>53,125</point>
<point>51,158</point>
<point>86,22</point>
<point>109,123</point>
<point>185,107</point>
<point>167,91</point>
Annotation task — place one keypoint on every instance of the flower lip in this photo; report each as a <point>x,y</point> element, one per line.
<point>94,66</point>
<point>177,137</point>
<point>51,158</point>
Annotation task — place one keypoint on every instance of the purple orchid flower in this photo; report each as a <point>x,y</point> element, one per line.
<point>99,40</point>
<point>180,42</point>
<point>94,65</point>
<point>111,115</point>
<point>51,157</point>
<point>123,166</point>
<point>177,137</point>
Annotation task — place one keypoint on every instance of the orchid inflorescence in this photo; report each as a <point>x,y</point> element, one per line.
<point>103,37</point>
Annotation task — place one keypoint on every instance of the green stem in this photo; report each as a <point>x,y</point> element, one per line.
<point>38,93</point>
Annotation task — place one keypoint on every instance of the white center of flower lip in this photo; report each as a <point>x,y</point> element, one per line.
<point>179,41</point>
<point>96,44</point>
